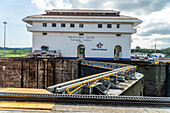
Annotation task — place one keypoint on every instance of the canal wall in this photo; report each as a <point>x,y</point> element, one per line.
<point>156,76</point>
<point>41,73</point>
<point>89,70</point>
<point>154,79</point>
<point>36,73</point>
<point>135,89</point>
<point>168,79</point>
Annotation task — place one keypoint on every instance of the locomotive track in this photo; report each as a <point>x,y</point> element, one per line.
<point>88,99</point>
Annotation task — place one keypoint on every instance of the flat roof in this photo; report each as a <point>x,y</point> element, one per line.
<point>80,17</point>
<point>157,54</point>
<point>82,10</point>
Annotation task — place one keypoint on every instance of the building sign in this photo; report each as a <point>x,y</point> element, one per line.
<point>99,47</point>
<point>81,38</point>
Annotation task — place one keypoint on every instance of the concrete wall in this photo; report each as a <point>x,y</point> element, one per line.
<point>68,44</point>
<point>86,70</point>
<point>36,73</point>
<point>154,79</point>
<point>156,76</point>
<point>88,27</point>
<point>134,90</point>
<point>168,79</point>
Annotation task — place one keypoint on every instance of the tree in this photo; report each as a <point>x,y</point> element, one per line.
<point>138,48</point>
<point>166,51</point>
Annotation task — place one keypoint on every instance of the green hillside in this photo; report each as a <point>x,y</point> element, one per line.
<point>14,53</point>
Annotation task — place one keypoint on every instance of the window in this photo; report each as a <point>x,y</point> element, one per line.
<point>67,13</point>
<point>44,24</point>
<point>72,25</point>
<point>44,34</point>
<point>81,25</point>
<point>54,13</point>
<point>53,24</point>
<point>81,34</point>
<point>109,25</point>
<point>82,13</point>
<point>110,14</point>
<point>118,34</point>
<point>99,25</point>
<point>118,25</point>
<point>63,25</point>
<point>97,13</point>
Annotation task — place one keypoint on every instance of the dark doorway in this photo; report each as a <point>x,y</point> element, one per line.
<point>80,52</point>
<point>117,52</point>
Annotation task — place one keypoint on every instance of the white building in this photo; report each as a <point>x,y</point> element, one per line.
<point>88,34</point>
<point>157,55</point>
<point>139,55</point>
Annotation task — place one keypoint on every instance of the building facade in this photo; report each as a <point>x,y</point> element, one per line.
<point>139,55</point>
<point>157,55</point>
<point>87,34</point>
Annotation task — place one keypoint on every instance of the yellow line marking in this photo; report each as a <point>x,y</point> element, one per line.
<point>25,90</point>
<point>26,105</point>
<point>44,59</point>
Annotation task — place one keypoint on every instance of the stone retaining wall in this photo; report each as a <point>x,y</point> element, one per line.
<point>36,73</point>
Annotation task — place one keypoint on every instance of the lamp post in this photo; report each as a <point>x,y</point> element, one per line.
<point>4,35</point>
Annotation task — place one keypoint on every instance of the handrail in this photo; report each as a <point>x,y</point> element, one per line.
<point>94,79</point>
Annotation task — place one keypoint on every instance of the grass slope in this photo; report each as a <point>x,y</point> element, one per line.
<point>14,53</point>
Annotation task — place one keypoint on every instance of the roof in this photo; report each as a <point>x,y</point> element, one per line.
<point>136,53</point>
<point>82,10</point>
<point>157,54</point>
<point>81,17</point>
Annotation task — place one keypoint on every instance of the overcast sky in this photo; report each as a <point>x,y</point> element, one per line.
<point>155,15</point>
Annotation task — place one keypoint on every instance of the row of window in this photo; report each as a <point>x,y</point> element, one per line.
<point>108,25</point>
<point>82,13</point>
<point>80,25</point>
<point>63,25</point>
<point>80,34</point>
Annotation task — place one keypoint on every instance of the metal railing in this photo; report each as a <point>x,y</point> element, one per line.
<point>106,80</point>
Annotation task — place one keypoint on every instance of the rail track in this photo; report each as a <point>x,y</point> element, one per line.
<point>88,99</point>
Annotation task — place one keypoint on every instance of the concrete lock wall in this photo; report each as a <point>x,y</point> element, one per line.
<point>134,90</point>
<point>168,78</point>
<point>88,70</point>
<point>156,76</point>
<point>36,73</point>
<point>154,79</point>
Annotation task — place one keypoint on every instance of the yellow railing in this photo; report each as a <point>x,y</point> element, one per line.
<point>96,80</point>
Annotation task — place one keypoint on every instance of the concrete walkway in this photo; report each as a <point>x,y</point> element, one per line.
<point>95,109</point>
